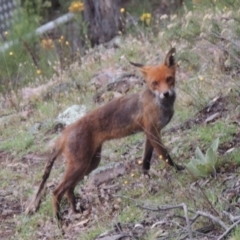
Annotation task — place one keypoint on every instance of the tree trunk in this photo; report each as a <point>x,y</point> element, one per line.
<point>103,18</point>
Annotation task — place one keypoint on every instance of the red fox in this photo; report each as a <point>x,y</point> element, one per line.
<point>81,142</point>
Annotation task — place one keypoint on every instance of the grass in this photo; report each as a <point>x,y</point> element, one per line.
<point>207,133</point>
<point>236,234</point>
<point>234,156</point>
<point>18,142</point>
<point>129,214</point>
<point>93,233</point>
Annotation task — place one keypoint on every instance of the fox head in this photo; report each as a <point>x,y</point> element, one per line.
<point>161,78</point>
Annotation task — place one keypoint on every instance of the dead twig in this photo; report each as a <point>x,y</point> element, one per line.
<point>206,198</point>
<point>169,207</point>
<point>190,221</point>
<point>228,230</point>
<point>128,198</point>
<point>211,217</point>
<point>231,217</point>
<point>184,230</point>
<point>195,233</point>
<point>185,209</point>
<point>31,53</point>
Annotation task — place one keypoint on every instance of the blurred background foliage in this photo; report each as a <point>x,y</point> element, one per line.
<point>33,57</point>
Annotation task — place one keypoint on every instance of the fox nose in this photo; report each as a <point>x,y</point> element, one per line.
<point>166,94</point>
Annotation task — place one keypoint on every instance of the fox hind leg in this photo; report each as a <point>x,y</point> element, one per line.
<point>93,165</point>
<point>72,199</point>
<point>73,175</point>
<point>95,160</point>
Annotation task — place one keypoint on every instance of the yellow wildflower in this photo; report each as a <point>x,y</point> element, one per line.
<point>47,44</point>
<point>76,6</point>
<point>11,53</point>
<point>67,43</point>
<point>39,72</point>
<point>6,33</point>
<point>60,40</point>
<point>122,10</point>
<point>146,18</point>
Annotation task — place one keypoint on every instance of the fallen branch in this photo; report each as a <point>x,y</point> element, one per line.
<point>228,230</point>
<point>187,219</point>
<point>211,217</point>
<point>184,230</point>
<point>205,196</point>
<point>190,221</point>
<point>231,217</point>
<point>169,207</point>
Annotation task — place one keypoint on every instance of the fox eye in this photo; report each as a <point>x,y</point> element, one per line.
<point>154,83</point>
<point>170,79</point>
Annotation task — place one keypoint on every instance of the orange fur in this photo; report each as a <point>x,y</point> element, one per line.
<point>81,142</point>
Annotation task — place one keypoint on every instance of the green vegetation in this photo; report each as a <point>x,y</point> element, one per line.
<point>206,35</point>
<point>130,214</point>
<point>32,59</point>
<point>204,165</point>
<point>19,142</point>
<point>236,234</point>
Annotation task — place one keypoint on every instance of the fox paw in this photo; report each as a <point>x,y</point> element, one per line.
<point>146,173</point>
<point>179,167</point>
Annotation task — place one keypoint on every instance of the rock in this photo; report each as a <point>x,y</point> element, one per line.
<point>106,76</point>
<point>39,126</point>
<point>121,86</point>
<point>116,42</point>
<point>30,93</point>
<point>60,88</point>
<point>71,114</point>
<point>212,117</point>
<point>35,128</point>
<point>5,119</point>
<point>113,81</point>
<point>106,173</point>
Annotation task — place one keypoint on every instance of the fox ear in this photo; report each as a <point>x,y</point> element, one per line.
<point>170,58</point>
<point>142,67</point>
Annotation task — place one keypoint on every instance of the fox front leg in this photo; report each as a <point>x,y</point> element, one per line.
<point>164,155</point>
<point>169,160</point>
<point>155,141</point>
<point>147,155</point>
